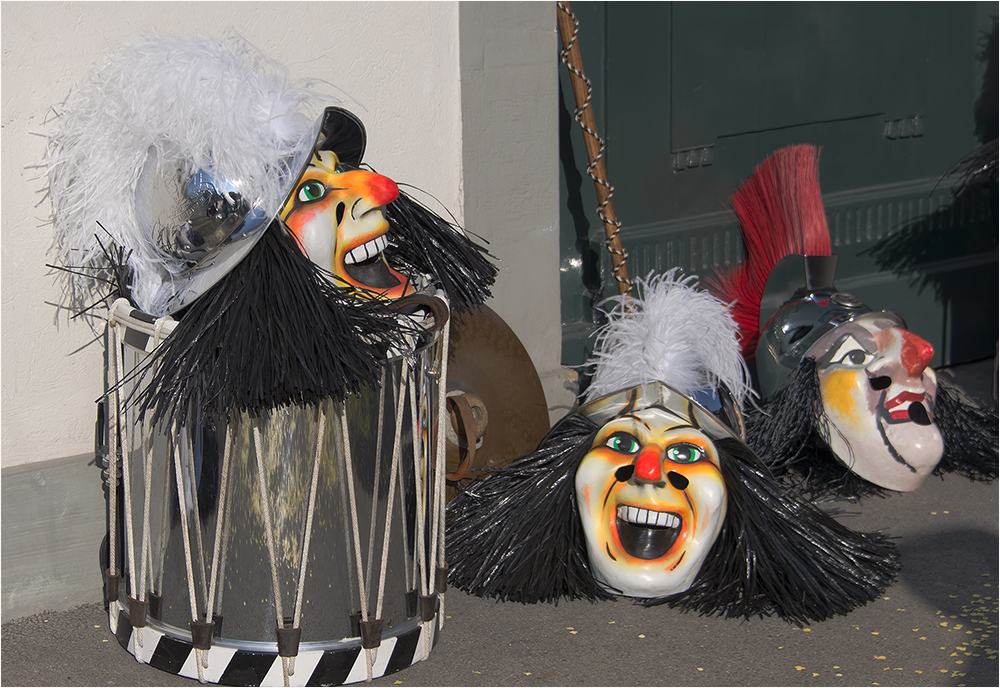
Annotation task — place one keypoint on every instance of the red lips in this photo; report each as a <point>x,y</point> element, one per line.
<point>900,399</point>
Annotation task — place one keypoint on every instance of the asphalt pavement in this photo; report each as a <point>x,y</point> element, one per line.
<point>936,626</point>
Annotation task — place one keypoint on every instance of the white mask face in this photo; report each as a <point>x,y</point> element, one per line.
<point>878,398</point>
<point>652,500</point>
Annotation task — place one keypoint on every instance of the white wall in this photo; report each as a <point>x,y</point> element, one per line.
<point>396,65</point>
<point>510,85</point>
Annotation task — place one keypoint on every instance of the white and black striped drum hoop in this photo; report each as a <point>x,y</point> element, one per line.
<point>359,540</point>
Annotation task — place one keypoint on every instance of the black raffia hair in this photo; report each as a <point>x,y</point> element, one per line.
<point>969,432</point>
<point>516,535</point>
<point>423,242</point>
<point>780,555</point>
<point>789,431</point>
<point>786,432</point>
<point>274,331</point>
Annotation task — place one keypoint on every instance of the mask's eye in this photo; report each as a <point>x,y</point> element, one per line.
<point>310,191</point>
<point>684,452</point>
<point>851,353</point>
<point>623,443</point>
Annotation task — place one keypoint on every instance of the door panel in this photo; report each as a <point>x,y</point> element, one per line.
<point>690,96</point>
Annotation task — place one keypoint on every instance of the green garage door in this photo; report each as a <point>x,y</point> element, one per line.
<point>690,96</point>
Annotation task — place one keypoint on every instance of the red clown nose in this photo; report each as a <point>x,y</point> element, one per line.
<point>383,190</point>
<point>916,354</point>
<point>647,464</point>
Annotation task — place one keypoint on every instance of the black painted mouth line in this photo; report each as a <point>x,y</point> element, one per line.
<point>882,422</point>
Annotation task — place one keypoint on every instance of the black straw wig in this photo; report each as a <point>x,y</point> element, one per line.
<point>788,431</point>
<point>424,243</point>
<point>516,535</point>
<point>274,331</point>
<point>779,555</point>
<point>969,433</point>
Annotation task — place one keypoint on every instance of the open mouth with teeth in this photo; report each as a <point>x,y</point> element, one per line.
<point>646,534</point>
<point>366,266</point>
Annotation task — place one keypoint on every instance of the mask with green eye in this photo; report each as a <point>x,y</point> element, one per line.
<point>684,453</point>
<point>311,191</point>
<point>650,492</point>
<point>337,212</point>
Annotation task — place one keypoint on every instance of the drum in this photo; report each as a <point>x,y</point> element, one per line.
<point>301,546</point>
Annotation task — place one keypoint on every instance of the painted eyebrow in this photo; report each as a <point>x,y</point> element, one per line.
<point>862,336</point>
<point>636,418</point>
<point>683,426</point>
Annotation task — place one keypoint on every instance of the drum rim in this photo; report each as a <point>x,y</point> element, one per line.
<point>138,341</point>
<point>265,646</point>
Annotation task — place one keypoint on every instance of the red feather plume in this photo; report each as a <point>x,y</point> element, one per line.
<point>780,211</point>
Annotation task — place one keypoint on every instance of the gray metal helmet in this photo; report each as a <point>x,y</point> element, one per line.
<point>796,325</point>
<point>203,224</point>
<point>179,151</point>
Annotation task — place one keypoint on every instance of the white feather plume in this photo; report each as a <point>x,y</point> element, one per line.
<point>205,104</point>
<point>672,332</point>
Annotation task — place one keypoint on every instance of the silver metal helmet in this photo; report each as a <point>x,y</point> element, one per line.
<point>798,317</point>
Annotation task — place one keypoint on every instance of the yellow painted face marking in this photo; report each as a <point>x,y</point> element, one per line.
<point>839,389</point>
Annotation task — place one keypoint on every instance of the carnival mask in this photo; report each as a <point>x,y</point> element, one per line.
<point>336,214</point>
<point>644,492</point>
<point>651,498</point>
<point>878,399</point>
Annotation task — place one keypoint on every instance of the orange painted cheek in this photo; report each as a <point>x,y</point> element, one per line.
<point>610,526</point>
<point>304,214</point>
<point>612,459</point>
<point>701,473</point>
<point>689,528</point>
<point>839,390</point>
<point>295,223</point>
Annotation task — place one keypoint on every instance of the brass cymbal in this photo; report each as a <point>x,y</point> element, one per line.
<point>489,365</point>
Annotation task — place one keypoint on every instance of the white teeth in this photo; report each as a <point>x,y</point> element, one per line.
<point>366,251</point>
<point>645,517</point>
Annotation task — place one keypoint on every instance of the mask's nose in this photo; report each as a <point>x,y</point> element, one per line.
<point>648,464</point>
<point>916,353</point>
<point>381,190</point>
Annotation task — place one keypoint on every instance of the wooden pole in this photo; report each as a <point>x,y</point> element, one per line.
<point>584,114</point>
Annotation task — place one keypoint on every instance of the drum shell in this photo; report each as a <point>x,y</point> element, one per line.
<point>244,606</point>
